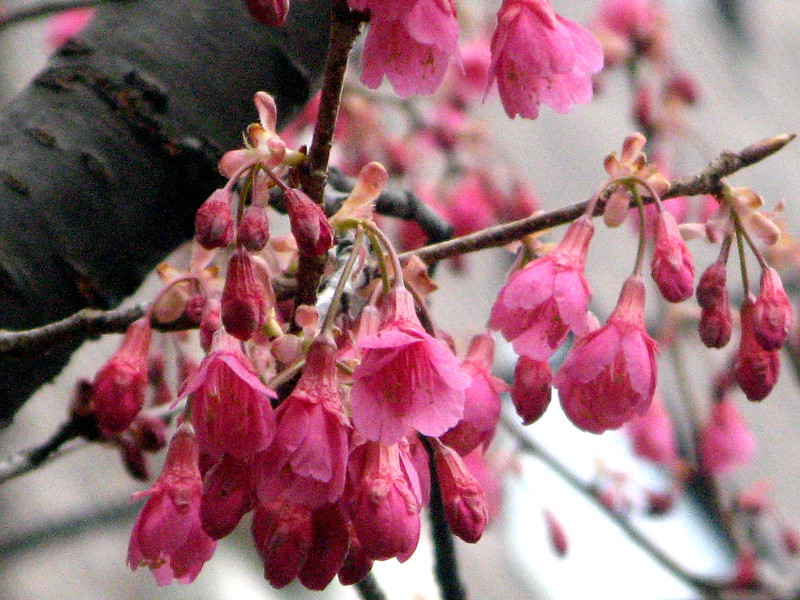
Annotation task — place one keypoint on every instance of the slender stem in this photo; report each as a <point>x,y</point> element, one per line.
<point>343,279</point>
<point>737,225</point>
<point>705,585</point>
<point>369,589</point>
<point>706,181</point>
<point>387,245</point>
<point>286,374</point>
<point>63,441</point>
<point>383,268</point>
<point>637,269</point>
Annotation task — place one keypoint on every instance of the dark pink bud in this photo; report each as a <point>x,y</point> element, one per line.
<point>254,228</point>
<point>465,505</point>
<point>652,434</point>
<point>532,389</point>
<point>227,495</point>
<point>659,503</point>
<point>134,459</point>
<point>643,107</point>
<point>682,85</point>
<point>756,369</point>
<point>245,299</point>
<point>149,432</point>
<point>711,290</point>
<point>772,312</point>
<point>269,12</point>
<point>716,324</point>
<point>119,387</point>
<point>326,555</point>
<point>210,323</point>
<point>357,564</point>
<point>791,540</point>
<point>282,534</point>
<point>746,575</point>
<point>672,267</point>
<point>213,223</point>
<point>556,534</point>
<point>310,226</point>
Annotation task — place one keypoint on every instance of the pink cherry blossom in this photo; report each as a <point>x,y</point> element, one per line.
<point>230,405</point>
<point>610,374</point>
<point>547,298</point>
<point>282,533</point>
<point>407,379</point>
<point>410,42</point>
<point>481,400</point>
<point>532,389</point>
<point>540,57</point>
<point>228,494</point>
<point>465,507</point>
<point>725,441</point>
<point>118,392</point>
<point>652,435</point>
<point>308,457</point>
<point>167,535</point>
<point>384,501</point>
<point>672,267</point>
<point>330,541</point>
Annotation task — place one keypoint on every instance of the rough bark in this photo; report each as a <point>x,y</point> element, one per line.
<point>106,155</point>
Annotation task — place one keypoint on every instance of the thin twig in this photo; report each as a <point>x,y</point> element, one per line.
<point>369,589</point>
<point>65,440</point>
<point>705,585</point>
<point>707,181</point>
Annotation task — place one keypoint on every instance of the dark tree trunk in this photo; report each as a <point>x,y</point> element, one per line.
<point>106,155</point>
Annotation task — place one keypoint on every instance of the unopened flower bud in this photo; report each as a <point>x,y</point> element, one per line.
<point>756,369</point>
<point>643,107</point>
<point>683,86</point>
<point>244,300</point>
<point>711,290</point>
<point>254,228</point>
<point>228,494</point>
<point>672,267</point>
<point>310,226</point>
<point>659,503</point>
<point>328,549</point>
<point>716,324</point>
<point>556,534</point>
<point>357,564</point>
<point>725,441</point>
<point>282,535</point>
<point>269,12</point>
<point>532,389</point>
<point>213,223</point>
<point>746,575</point>
<point>772,312</point>
<point>791,540</point>
<point>465,507</point>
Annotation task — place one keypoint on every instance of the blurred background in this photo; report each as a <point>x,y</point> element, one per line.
<point>65,528</point>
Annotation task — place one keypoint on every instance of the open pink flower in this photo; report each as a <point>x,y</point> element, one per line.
<point>610,374</point>
<point>167,535</point>
<point>547,298</point>
<point>231,406</point>
<point>407,379</point>
<point>409,41</point>
<point>540,57</point>
<point>308,457</point>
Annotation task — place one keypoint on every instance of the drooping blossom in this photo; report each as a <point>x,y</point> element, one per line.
<point>282,533</point>
<point>610,374</point>
<point>254,228</point>
<point>725,441</point>
<point>538,57</point>
<point>230,405</point>
<point>481,400</point>
<point>213,222</point>
<point>672,266</point>
<point>756,369</point>
<point>532,389</point>
<point>247,295</point>
<point>407,379</point>
<point>547,298</point>
<point>465,506</point>
<point>310,227</point>
<point>772,312</point>
<point>357,564</point>
<point>411,42</point>
<point>652,435</point>
<point>307,460</point>
<point>711,289</point>
<point>330,540</point>
<point>118,392</point>
<point>384,501</point>
<point>269,12</point>
<point>716,324</point>
<point>228,494</point>
<point>167,536</point>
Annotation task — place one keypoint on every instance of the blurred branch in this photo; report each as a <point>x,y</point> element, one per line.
<point>369,589</point>
<point>65,440</point>
<point>709,587</point>
<point>706,181</point>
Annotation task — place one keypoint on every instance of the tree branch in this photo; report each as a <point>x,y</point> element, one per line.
<point>706,181</point>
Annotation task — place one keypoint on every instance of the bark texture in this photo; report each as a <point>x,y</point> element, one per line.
<point>106,155</point>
